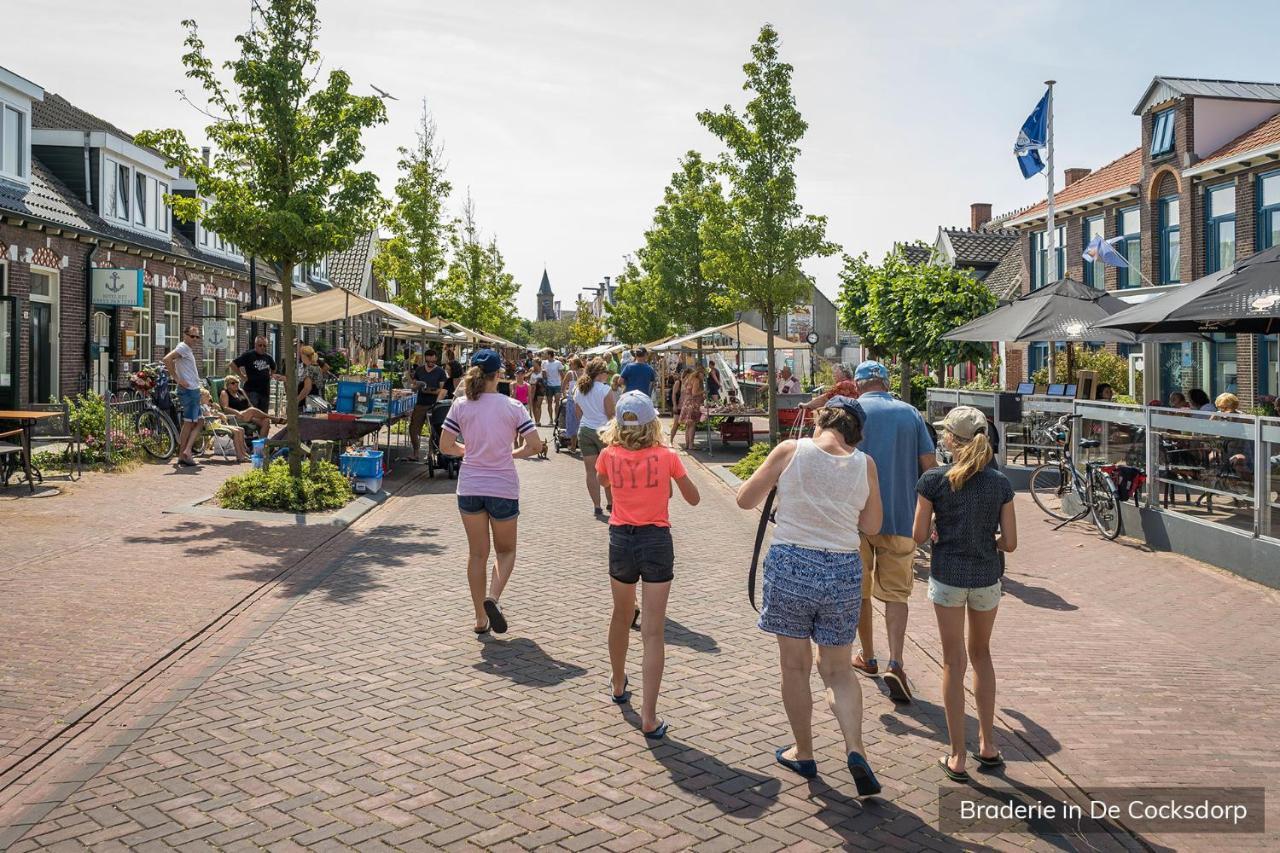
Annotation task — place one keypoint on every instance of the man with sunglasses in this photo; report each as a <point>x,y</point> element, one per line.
<point>181,364</point>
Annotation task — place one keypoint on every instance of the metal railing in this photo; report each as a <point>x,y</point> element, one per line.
<point>1214,467</point>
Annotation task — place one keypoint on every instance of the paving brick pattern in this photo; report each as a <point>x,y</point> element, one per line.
<point>349,706</point>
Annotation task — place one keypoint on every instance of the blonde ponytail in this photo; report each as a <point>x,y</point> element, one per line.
<point>473,384</point>
<point>967,459</point>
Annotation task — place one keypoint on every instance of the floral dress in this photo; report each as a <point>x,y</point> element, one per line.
<point>691,399</point>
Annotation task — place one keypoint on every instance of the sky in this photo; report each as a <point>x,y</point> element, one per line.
<point>565,119</point>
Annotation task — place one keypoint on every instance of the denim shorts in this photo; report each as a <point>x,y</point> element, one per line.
<point>499,509</point>
<point>189,403</point>
<point>641,552</point>
<point>978,598</point>
<point>553,390</point>
<point>812,594</point>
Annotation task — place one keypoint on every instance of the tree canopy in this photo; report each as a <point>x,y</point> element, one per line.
<point>902,309</point>
<point>586,330</point>
<point>638,313</point>
<point>757,241</point>
<point>283,183</point>
<point>477,291</point>
<point>550,333</point>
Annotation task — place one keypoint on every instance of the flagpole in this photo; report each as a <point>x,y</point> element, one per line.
<point>1051,267</point>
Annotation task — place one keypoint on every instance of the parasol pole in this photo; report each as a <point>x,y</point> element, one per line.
<point>1051,268</point>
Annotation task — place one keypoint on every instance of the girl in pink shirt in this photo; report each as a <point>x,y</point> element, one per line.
<point>640,470</point>
<point>521,389</point>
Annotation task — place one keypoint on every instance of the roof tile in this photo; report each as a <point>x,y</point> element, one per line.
<point>1260,136</point>
<point>1118,174</point>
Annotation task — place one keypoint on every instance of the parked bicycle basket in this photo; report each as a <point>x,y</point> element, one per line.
<point>1128,481</point>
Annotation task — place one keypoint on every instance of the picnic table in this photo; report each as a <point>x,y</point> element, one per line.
<point>27,421</point>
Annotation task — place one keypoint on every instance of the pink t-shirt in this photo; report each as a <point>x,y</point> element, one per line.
<point>641,483</point>
<point>486,427</point>
<point>521,392</point>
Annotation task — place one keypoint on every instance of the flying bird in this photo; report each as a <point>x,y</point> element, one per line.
<point>382,94</point>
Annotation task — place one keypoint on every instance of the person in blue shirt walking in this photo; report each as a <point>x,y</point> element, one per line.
<point>897,439</point>
<point>638,375</point>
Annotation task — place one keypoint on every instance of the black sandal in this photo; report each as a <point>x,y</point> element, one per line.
<point>988,762</point>
<point>482,631</point>
<point>496,620</point>
<point>953,775</point>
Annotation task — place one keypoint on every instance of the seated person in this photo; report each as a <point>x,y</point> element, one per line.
<point>1178,400</point>
<point>235,402</point>
<point>218,422</point>
<point>1106,392</point>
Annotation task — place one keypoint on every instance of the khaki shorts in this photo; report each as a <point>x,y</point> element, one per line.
<point>589,442</point>
<point>887,572</point>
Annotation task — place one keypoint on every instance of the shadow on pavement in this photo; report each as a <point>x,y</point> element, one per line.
<point>679,635</point>
<point>852,819</point>
<point>1052,833</point>
<point>735,791</point>
<point>928,720</point>
<point>1035,734</point>
<point>1036,596</point>
<point>524,662</point>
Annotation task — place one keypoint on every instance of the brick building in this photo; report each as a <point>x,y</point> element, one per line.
<point>1199,192</point>
<point>77,194</point>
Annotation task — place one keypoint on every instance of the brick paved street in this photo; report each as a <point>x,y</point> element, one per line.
<point>338,699</point>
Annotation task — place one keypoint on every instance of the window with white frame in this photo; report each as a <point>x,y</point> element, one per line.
<point>133,197</point>
<point>143,316</point>
<point>172,320</point>
<point>209,311</point>
<point>14,159</point>
<point>162,210</point>
<point>116,179</point>
<point>233,319</point>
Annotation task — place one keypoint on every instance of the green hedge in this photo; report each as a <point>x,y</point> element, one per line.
<point>321,487</point>
<point>747,465</point>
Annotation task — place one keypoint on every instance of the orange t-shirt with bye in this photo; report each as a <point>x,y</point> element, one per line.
<point>641,482</point>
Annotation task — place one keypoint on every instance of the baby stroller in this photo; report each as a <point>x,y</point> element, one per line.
<point>565,426</point>
<point>436,459</point>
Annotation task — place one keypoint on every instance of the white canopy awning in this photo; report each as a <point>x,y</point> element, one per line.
<point>340,304</point>
<point>470,335</point>
<point>742,335</point>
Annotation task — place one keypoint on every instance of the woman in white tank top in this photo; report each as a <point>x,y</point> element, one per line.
<point>827,492</point>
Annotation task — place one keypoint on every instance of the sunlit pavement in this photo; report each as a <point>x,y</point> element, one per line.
<point>177,682</point>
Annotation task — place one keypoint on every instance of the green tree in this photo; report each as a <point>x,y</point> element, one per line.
<point>477,291</point>
<point>637,313</point>
<point>1110,368</point>
<point>587,329</point>
<point>551,333</point>
<point>901,309</point>
<point>756,241</point>
<point>283,183</point>
<point>522,333</point>
<point>674,255</point>
<point>417,250</point>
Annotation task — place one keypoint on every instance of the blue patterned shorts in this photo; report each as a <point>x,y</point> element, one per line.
<point>812,594</point>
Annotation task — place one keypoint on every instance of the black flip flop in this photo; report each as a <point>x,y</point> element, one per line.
<point>635,620</point>
<point>988,762</point>
<point>657,734</point>
<point>496,620</point>
<point>482,631</point>
<point>953,775</point>
<point>621,698</point>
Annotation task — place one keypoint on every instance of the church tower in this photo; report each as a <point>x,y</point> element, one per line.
<point>546,299</point>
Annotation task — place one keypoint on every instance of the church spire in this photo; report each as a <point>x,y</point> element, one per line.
<point>545,287</point>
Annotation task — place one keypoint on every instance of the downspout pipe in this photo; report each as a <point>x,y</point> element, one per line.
<point>88,185</point>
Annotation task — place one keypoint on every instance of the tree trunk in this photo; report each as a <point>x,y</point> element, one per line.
<point>904,391</point>
<point>771,383</point>
<point>290,372</point>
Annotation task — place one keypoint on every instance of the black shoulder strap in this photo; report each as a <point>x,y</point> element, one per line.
<point>766,516</point>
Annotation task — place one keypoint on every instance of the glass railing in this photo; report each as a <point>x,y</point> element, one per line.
<point>1216,468</point>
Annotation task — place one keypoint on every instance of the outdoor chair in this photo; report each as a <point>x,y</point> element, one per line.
<point>12,454</point>
<point>56,433</point>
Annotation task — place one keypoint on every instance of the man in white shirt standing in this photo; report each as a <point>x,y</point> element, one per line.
<point>553,367</point>
<point>787,384</point>
<point>181,364</point>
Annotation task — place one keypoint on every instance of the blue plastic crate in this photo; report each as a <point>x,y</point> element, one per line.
<point>362,465</point>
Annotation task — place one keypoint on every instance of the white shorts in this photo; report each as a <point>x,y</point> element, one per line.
<point>976,598</point>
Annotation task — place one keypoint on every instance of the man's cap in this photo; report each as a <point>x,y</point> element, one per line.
<point>635,409</point>
<point>964,422</point>
<point>849,405</point>
<point>487,360</point>
<point>871,370</point>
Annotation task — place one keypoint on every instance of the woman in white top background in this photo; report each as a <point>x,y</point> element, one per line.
<point>828,491</point>
<point>594,405</point>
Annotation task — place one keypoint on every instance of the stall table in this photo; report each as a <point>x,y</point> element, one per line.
<point>732,429</point>
<point>27,421</point>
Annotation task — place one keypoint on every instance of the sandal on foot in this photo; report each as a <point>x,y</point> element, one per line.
<point>635,620</point>
<point>481,631</point>
<point>657,734</point>
<point>808,768</point>
<point>988,761</point>
<point>620,698</point>
<point>953,775</point>
<point>863,777</point>
<point>496,619</point>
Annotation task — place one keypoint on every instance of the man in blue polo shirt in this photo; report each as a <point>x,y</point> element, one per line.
<point>896,437</point>
<point>638,375</point>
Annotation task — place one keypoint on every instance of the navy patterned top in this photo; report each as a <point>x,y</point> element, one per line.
<point>965,554</point>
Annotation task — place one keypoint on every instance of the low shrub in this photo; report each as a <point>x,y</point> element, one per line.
<point>321,487</point>
<point>747,465</point>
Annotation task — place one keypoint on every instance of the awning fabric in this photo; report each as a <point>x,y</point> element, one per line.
<point>339,304</point>
<point>745,335</point>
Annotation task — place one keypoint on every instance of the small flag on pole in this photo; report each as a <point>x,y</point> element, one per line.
<point>1102,250</point>
<point>1031,139</point>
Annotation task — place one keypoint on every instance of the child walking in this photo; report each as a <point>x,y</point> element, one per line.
<point>640,470</point>
<point>969,503</point>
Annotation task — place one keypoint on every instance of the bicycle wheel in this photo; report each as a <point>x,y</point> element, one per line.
<point>1104,506</point>
<point>155,434</point>
<point>1050,483</point>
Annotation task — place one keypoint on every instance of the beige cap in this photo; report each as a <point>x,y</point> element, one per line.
<point>964,422</point>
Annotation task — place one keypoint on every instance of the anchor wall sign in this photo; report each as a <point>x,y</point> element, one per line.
<point>121,288</point>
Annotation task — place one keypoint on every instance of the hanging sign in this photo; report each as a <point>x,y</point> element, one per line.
<point>121,288</point>
<point>215,333</point>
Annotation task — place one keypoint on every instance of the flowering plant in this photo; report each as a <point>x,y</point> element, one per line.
<point>144,379</point>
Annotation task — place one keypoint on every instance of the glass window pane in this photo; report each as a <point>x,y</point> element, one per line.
<point>1270,190</point>
<point>39,284</point>
<point>12,152</point>
<point>141,207</point>
<point>1226,243</point>
<point>1173,249</point>
<point>1271,229</point>
<point>1171,212</point>
<point>1222,201</point>
<point>1129,221</point>
<point>122,192</point>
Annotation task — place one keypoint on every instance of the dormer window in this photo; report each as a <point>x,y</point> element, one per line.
<point>1162,132</point>
<point>133,197</point>
<point>14,160</point>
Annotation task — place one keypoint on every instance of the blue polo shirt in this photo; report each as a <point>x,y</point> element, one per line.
<point>895,436</point>
<point>639,376</point>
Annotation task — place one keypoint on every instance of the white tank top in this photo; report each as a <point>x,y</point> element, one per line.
<point>820,496</point>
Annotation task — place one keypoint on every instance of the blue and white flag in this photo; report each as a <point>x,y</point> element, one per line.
<point>1031,139</point>
<point>1102,250</point>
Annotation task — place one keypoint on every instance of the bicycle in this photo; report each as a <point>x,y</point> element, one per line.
<point>154,426</point>
<point>1060,489</point>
